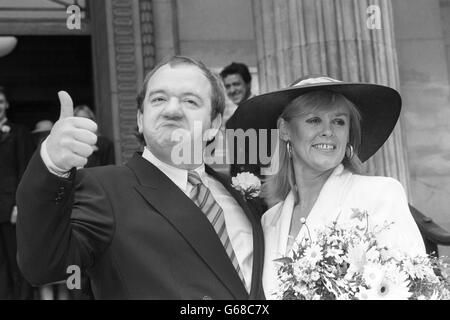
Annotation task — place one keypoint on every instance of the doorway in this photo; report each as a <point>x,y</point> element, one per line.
<point>38,68</point>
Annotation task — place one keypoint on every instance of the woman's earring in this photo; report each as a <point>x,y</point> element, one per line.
<point>289,148</point>
<point>349,151</point>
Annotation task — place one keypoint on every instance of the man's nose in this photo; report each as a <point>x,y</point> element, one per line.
<point>173,107</point>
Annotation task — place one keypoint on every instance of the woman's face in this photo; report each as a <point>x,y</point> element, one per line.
<point>319,138</point>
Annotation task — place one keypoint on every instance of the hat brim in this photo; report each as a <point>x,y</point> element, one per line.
<point>378,105</point>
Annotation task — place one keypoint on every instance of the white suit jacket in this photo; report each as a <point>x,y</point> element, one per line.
<point>384,199</point>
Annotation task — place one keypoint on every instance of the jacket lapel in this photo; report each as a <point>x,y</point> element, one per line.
<point>163,195</point>
<point>256,291</point>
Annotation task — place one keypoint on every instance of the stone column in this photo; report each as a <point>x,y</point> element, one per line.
<point>351,40</point>
<point>123,50</point>
<point>165,22</point>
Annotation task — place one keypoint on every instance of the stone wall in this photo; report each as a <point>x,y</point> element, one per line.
<point>422,30</point>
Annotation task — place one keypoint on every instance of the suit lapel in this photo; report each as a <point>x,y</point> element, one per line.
<point>258,237</point>
<point>163,195</point>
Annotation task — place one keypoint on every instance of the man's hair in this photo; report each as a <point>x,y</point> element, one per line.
<point>3,91</point>
<point>217,94</point>
<point>237,68</point>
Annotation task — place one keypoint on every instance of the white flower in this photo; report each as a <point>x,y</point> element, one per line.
<point>420,268</point>
<point>315,276</point>
<point>301,290</point>
<point>389,290</point>
<point>313,254</point>
<point>356,257</point>
<point>373,273</point>
<point>392,285</point>
<point>247,183</point>
<point>5,128</point>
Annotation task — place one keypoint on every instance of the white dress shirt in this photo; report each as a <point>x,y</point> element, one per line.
<point>238,226</point>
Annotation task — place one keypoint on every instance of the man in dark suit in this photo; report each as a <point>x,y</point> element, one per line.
<point>16,148</point>
<point>155,228</point>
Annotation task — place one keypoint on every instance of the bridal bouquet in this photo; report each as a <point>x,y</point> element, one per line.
<point>349,264</point>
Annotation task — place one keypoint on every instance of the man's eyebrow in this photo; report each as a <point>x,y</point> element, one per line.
<point>151,92</point>
<point>187,93</point>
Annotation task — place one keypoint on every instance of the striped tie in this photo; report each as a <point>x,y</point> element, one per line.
<point>203,198</point>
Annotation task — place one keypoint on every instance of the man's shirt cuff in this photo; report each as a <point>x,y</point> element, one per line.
<point>49,163</point>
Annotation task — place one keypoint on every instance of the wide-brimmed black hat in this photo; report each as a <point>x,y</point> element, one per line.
<point>378,105</point>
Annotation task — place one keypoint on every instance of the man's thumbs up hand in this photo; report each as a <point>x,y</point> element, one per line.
<point>66,105</point>
<point>72,139</point>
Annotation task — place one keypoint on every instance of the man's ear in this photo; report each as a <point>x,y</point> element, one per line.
<point>139,117</point>
<point>216,123</point>
<point>284,130</point>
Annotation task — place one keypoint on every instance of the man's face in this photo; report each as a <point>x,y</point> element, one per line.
<point>237,89</point>
<point>177,98</point>
<point>3,106</point>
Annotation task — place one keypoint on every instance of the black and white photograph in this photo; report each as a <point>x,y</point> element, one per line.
<point>246,151</point>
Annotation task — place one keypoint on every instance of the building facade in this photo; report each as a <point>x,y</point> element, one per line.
<point>401,43</point>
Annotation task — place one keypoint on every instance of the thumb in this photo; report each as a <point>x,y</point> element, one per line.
<point>66,105</point>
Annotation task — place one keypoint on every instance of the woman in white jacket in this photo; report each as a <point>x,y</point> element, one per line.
<point>327,128</point>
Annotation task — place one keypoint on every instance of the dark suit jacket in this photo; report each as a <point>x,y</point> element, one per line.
<point>135,232</point>
<point>16,148</point>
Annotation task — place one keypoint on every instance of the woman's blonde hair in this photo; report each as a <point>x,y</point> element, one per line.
<point>277,186</point>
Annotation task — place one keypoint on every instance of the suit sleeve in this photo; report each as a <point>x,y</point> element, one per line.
<point>62,222</point>
<point>392,206</point>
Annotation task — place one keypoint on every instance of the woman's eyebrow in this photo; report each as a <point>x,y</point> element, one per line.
<point>340,114</point>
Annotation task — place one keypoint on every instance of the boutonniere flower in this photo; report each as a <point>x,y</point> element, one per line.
<point>247,184</point>
<point>5,128</point>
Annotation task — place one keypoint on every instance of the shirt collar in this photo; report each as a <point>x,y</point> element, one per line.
<point>177,175</point>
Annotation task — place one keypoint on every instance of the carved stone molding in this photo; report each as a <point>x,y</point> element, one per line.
<point>147,34</point>
<point>132,44</point>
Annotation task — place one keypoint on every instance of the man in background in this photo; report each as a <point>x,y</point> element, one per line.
<point>16,148</point>
<point>237,80</point>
